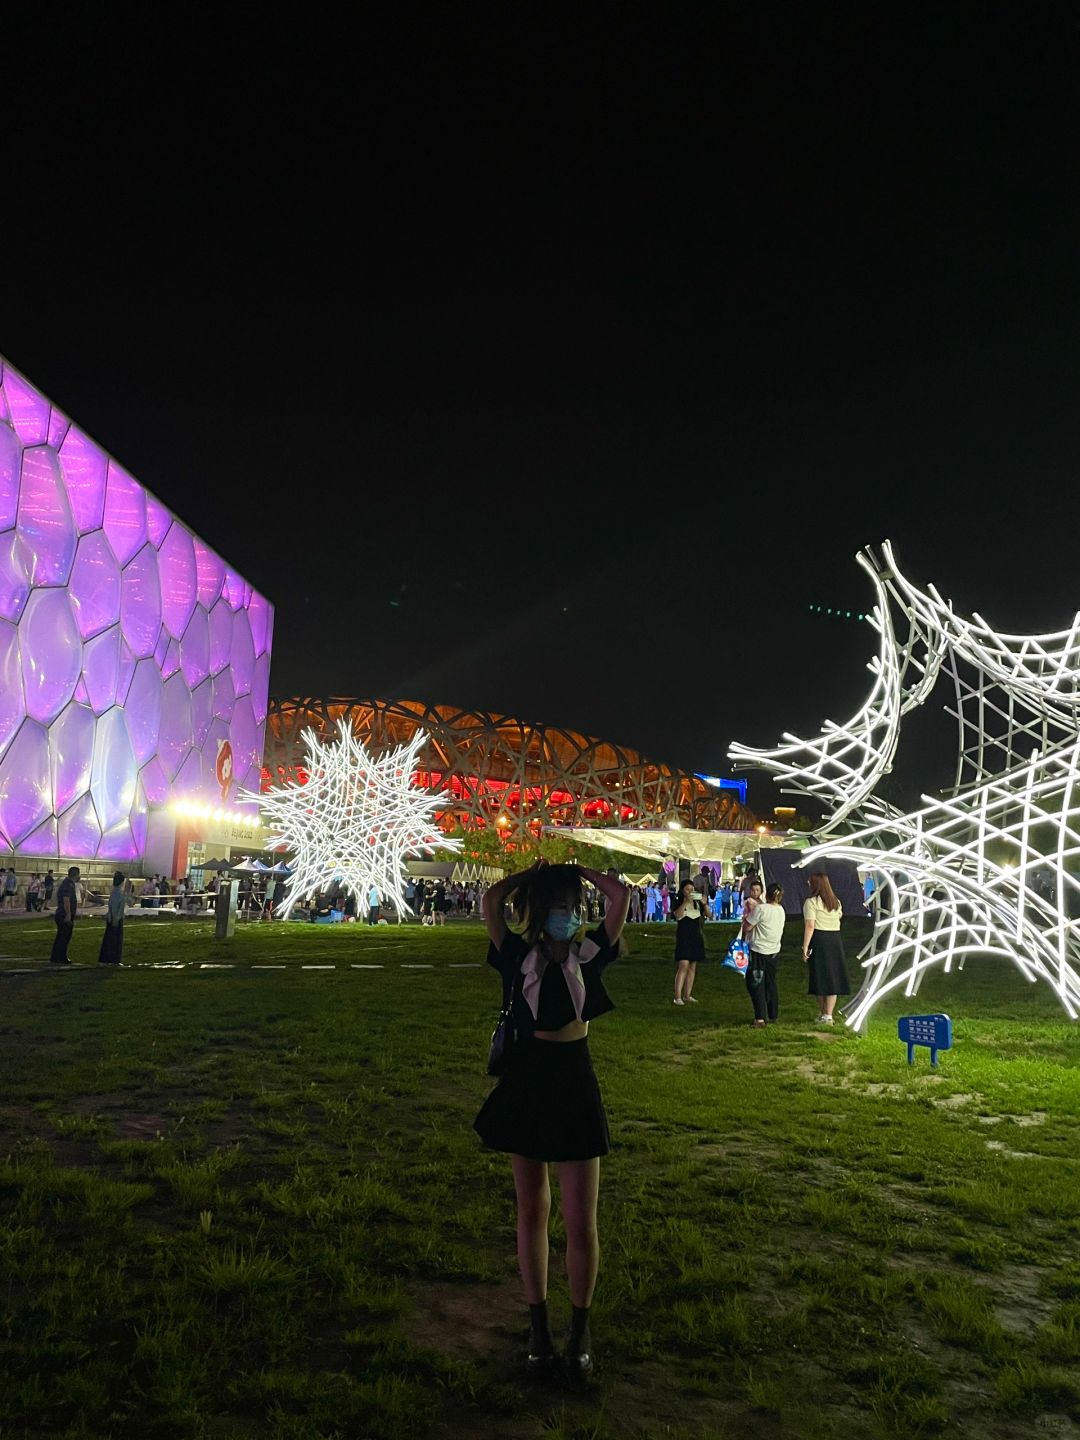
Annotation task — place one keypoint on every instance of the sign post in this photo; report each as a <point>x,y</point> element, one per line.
<point>225,910</point>
<point>932,1031</point>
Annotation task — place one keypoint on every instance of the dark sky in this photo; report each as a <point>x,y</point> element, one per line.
<point>597,337</point>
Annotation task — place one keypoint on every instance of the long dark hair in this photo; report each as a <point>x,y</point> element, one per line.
<point>821,888</point>
<point>543,891</point>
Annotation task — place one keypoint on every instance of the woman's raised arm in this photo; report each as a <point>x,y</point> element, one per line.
<point>495,898</point>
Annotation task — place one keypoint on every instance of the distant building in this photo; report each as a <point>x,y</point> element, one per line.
<point>499,771</point>
<point>134,661</point>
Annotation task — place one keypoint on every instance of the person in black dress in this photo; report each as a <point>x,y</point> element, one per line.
<point>112,941</point>
<point>546,1108</point>
<point>689,913</point>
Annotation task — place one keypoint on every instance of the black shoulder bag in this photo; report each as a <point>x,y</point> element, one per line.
<point>502,1040</point>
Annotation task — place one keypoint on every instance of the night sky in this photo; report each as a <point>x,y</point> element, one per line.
<point>556,360</point>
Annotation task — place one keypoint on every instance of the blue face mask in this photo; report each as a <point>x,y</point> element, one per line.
<point>562,924</point>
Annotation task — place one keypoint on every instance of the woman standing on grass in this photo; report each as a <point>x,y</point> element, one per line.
<point>689,941</point>
<point>112,942</point>
<point>764,926</point>
<point>546,1107</point>
<point>822,947</point>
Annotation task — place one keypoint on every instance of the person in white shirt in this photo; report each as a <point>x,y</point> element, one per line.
<point>373,905</point>
<point>764,925</point>
<point>823,949</point>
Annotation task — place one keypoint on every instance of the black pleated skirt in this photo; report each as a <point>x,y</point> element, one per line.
<point>689,941</point>
<point>828,969</point>
<point>547,1105</point>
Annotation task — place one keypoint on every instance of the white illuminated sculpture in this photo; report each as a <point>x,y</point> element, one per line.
<point>989,869</point>
<point>355,821</point>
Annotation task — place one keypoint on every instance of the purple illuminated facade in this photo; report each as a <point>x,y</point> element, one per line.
<point>134,662</point>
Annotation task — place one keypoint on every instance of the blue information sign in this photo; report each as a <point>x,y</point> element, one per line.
<point>933,1031</point>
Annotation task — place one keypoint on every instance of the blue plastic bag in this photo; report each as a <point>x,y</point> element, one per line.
<point>738,956</point>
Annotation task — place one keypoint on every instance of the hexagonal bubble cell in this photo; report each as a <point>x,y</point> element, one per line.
<point>139,819</point>
<point>118,843</point>
<point>101,669</point>
<point>260,688</point>
<point>42,841</point>
<point>114,773</point>
<point>71,754</point>
<point>10,469</point>
<point>161,649</point>
<point>258,613</point>
<point>224,695</point>
<point>143,710</point>
<point>28,408</point>
<point>125,513</point>
<point>174,741</point>
<point>82,695</point>
<point>52,653</point>
<point>78,832</point>
<point>95,585</point>
<point>14,575</point>
<point>202,711</point>
<point>25,782</point>
<point>158,520</point>
<point>46,524</point>
<point>244,734</point>
<point>154,782</point>
<point>195,649</point>
<point>85,467</point>
<point>58,428</point>
<point>140,602</point>
<point>221,623</point>
<point>234,588</point>
<point>171,664</point>
<point>190,782</point>
<point>12,708</point>
<point>176,565</point>
<point>242,658</point>
<point>210,569</point>
<point>127,670</point>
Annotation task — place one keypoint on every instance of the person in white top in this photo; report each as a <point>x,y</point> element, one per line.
<point>765,927</point>
<point>823,949</point>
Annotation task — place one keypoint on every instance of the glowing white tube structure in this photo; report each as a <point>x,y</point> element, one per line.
<point>355,821</point>
<point>988,868</point>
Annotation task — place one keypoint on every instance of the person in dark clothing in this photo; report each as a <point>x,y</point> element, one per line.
<point>546,1108</point>
<point>47,887</point>
<point>689,912</point>
<point>112,942</point>
<point>67,904</point>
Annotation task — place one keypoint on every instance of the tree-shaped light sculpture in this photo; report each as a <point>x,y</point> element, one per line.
<point>355,821</point>
<point>989,869</point>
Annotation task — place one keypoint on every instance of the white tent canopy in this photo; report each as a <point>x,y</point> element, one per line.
<point>697,845</point>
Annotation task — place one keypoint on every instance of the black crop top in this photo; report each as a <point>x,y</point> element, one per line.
<point>555,1008</point>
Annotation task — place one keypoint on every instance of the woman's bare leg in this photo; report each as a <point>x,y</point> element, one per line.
<point>533,1211</point>
<point>579,1187</point>
<point>691,976</point>
<point>680,978</point>
<point>827,1002</point>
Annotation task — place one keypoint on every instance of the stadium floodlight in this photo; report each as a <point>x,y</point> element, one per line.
<point>355,821</point>
<point>988,868</point>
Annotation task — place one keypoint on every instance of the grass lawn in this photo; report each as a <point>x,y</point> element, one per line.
<point>247,1202</point>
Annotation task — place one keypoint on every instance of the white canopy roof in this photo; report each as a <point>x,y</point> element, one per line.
<point>681,844</point>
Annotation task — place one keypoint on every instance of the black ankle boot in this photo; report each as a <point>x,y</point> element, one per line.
<point>541,1357</point>
<point>579,1359</point>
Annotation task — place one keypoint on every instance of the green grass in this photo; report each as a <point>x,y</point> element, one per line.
<point>247,1203</point>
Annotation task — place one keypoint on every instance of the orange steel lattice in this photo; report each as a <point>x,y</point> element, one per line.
<point>495,769</point>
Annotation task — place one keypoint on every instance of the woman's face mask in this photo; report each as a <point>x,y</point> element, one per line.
<point>562,924</point>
